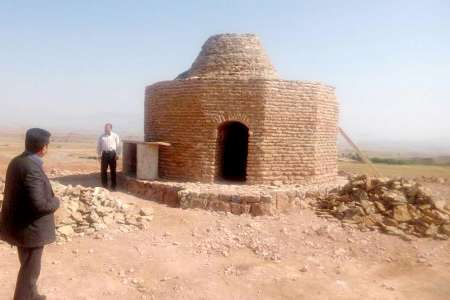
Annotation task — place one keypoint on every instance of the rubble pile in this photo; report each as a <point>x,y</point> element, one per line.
<point>85,211</point>
<point>396,206</point>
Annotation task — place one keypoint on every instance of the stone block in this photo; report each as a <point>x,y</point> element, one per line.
<point>224,198</point>
<point>245,208</point>
<point>149,194</point>
<point>257,209</point>
<point>236,199</point>
<point>171,198</point>
<point>235,208</point>
<point>218,205</point>
<point>266,198</point>
<point>197,201</point>
<point>251,198</point>
<point>184,200</point>
<point>282,201</point>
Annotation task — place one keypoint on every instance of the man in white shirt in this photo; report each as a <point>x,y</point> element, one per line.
<point>108,151</point>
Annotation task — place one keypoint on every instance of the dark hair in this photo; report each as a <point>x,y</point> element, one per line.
<point>36,139</point>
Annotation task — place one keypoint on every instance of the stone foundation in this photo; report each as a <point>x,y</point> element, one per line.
<point>237,199</point>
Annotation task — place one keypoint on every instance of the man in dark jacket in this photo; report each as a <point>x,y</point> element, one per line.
<point>27,219</point>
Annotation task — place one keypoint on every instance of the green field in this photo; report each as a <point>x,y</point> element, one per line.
<point>396,170</point>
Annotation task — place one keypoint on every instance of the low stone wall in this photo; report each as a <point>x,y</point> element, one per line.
<point>237,199</point>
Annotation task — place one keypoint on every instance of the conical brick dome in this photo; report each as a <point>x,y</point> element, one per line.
<point>234,56</point>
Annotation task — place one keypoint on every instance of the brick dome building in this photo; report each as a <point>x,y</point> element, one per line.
<point>230,118</point>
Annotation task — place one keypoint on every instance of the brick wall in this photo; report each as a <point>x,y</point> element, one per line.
<point>300,131</point>
<point>187,113</point>
<point>292,127</point>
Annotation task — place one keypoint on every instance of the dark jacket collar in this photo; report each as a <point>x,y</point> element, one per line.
<point>34,157</point>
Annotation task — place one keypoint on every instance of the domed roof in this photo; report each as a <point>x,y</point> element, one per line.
<point>235,56</point>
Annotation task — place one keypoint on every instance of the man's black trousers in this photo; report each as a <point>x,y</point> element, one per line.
<point>30,268</point>
<point>109,160</point>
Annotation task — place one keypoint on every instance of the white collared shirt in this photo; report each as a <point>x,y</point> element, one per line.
<point>109,142</point>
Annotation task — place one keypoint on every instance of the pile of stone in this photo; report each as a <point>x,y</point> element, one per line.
<point>85,211</point>
<point>396,206</point>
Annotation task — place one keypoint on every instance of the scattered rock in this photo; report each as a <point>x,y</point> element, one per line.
<point>304,269</point>
<point>146,211</point>
<point>445,229</point>
<point>86,211</point>
<point>65,231</point>
<point>223,241</point>
<point>395,206</point>
<point>388,287</point>
<point>400,213</point>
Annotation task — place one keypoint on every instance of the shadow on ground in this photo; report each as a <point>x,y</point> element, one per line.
<point>86,180</point>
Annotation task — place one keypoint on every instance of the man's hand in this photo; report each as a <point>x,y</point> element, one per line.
<point>117,157</point>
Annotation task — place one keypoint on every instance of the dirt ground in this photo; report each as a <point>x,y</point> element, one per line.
<point>196,254</point>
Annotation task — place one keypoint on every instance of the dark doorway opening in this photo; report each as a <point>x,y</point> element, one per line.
<point>233,151</point>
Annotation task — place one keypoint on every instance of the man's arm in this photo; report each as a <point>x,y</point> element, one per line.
<point>99,147</point>
<point>41,203</point>
<point>118,146</point>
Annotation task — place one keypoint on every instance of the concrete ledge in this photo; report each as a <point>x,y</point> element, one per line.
<point>233,198</point>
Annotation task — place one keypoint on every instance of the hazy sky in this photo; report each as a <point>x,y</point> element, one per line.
<point>77,64</point>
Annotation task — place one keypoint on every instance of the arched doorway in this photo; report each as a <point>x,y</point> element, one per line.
<point>232,151</point>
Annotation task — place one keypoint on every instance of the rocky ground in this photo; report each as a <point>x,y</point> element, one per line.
<point>196,254</point>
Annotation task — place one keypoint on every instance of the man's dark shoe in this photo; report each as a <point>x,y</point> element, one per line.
<point>40,297</point>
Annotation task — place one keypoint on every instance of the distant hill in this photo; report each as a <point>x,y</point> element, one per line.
<point>399,148</point>
<point>131,125</point>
